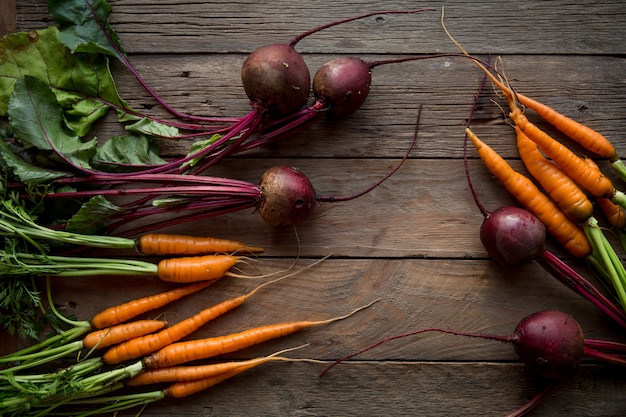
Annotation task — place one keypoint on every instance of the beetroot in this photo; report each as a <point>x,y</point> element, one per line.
<point>287,196</point>
<point>276,78</point>
<point>512,236</point>
<point>549,342</point>
<point>343,84</point>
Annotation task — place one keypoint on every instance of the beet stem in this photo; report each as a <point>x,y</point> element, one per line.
<point>605,357</point>
<point>479,204</point>
<point>303,35</point>
<point>331,199</point>
<point>576,282</point>
<point>504,339</point>
<point>538,399</point>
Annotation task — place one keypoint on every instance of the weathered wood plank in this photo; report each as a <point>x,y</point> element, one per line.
<point>240,27</point>
<point>391,388</point>
<point>414,293</point>
<point>8,23</point>
<point>413,241</point>
<point>589,89</point>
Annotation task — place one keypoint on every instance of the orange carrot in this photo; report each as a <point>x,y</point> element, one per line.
<point>150,343</point>
<point>191,350</point>
<point>186,388</point>
<point>614,213</point>
<point>196,268</point>
<point>575,167</point>
<point>126,311</point>
<point>584,135</point>
<point>196,372</point>
<point>121,332</point>
<point>166,244</point>
<point>568,196</point>
<point>565,231</point>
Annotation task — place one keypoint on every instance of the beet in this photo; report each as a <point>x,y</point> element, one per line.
<point>342,85</point>
<point>512,236</point>
<point>287,196</point>
<point>549,342</point>
<point>276,78</point>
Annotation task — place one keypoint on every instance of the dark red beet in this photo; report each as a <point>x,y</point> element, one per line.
<point>276,78</point>
<point>512,236</point>
<point>550,342</point>
<point>342,85</point>
<point>287,196</point>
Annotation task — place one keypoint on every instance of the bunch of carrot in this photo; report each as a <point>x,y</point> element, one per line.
<point>138,352</point>
<point>571,183</point>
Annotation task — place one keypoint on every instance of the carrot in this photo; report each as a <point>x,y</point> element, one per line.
<point>126,311</point>
<point>589,179</point>
<point>191,350</point>
<point>150,343</point>
<point>568,196</point>
<point>614,213</point>
<point>121,332</point>
<point>586,176</point>
<point>166,244</point>
<point>186,388</point>
<point>196,268</point>
<point>196,372</point>
<point>564,230</point>
<point>583,135</point>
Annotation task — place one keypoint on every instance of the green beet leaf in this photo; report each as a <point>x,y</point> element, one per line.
<point>78,79</point>
<point>92,215</point>
<point>85,26</point>
<point>37,121</point>
<point>126,153</point>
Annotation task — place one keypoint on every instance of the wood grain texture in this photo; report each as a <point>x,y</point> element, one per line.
<point>413,241</point>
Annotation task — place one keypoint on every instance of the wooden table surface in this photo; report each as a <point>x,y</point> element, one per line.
<point>412,242</point>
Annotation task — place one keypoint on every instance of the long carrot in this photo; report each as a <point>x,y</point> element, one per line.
<point>167,244</point>
<point>120,333</point>
<point>141,346</point>
<point>191,350</point>
<point>123,312</point>
<point>564,230</point>
<point>196,372</point>
<point>184,389</point>
<point>568,196</point>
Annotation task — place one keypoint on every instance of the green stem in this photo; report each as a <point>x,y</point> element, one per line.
<point>40,358</point>
<point>15,222</point>
<point>44,347</point>
<point>607,263</point>
<point>82,324</point>
<point>33,264</point>
<point>619,167</point>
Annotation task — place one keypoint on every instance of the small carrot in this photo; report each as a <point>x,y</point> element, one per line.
<point>197,372</point>
<point>150,343</point>
<point>123,312</point>
<point>583,135</point>
<point>592,180</point>
<point>196,268</point>
<point>568,196</point>
<point>613,213</point>
<point>565,231</point>
<point>191,350</point>
<point>166,244</point>
<point>121,332</point>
